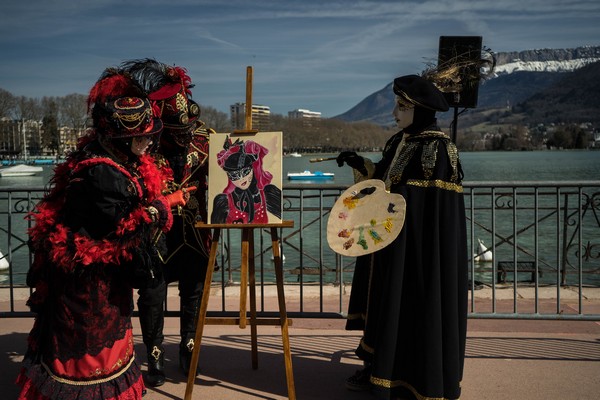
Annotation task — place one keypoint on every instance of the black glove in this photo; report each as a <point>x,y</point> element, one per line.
<point>353,160</point>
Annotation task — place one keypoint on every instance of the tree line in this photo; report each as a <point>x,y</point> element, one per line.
<point>298,135</point>
<point>301,135</point>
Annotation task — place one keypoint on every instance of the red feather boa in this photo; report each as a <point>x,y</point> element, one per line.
<point>52,237</point>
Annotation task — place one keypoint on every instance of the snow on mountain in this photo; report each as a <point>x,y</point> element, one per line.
<point>543,66</point>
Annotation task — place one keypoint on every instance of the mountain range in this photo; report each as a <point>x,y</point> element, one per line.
<point>542,86</point>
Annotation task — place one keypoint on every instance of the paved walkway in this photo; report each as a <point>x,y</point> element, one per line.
<point>506,359</point>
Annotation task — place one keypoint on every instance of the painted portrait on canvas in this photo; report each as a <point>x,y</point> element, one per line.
<point>245,178</point>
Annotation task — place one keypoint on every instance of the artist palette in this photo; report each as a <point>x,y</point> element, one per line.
<point>365,218</point>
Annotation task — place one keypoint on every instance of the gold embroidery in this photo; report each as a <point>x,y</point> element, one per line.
<point>86,383</point>
<point>428,135</point>
<point>404,156</point>
<point>454,187</point>
<point>429,142</point>
<point>192,159</point>
<point>386,383</point>
<point>429,157</point>
<point>131,121</point>
<point>355,316</point>
<point>181,103</point>
<point>453,156</point>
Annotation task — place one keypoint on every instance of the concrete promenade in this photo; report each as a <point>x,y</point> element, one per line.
<point>506,359</point>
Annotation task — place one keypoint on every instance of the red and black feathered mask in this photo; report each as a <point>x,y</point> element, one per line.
<point>169,88</point>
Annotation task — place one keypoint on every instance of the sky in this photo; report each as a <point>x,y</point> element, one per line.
<point>321,55</point>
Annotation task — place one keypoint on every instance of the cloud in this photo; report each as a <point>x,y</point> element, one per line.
<point>321,55</point>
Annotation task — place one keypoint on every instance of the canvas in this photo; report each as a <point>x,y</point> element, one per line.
<point>245,178</point>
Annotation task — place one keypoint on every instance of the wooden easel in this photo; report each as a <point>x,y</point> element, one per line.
<point>247,277</point>
<point>248,109</point>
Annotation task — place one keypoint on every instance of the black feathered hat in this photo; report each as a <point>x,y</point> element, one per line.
<point>169,88</point>
<point>420,92</point>
<point>119,108</point>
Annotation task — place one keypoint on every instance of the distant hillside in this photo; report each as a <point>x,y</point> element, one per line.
<point>375,108</point>
<point>573,98</point>
<point>520,76</point>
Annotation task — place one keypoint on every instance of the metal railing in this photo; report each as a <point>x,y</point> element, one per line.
<point>543,239</point>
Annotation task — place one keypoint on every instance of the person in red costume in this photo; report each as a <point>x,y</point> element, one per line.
<point>183,148</point>
<point>94,238</point>
<point>249,193</point>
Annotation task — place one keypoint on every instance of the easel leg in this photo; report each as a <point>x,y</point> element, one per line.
<point>246,232</point>
<point>289,373</point>
<point>202,316</point>
<point>252,283</point>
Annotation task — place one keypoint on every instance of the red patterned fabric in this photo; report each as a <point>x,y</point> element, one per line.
<point>81,344</point>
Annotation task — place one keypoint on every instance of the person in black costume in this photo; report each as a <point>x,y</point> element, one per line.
<point>184,148</point>
<point>410,298</point>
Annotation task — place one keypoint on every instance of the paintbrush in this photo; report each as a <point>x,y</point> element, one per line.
<point>322,159</point>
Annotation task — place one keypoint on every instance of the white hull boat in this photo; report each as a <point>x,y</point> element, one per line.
<point>20,170</point>
<point>307,175</point>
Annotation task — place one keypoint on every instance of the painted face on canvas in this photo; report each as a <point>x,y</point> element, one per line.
<point>403,114</point>
<point>241,178</point>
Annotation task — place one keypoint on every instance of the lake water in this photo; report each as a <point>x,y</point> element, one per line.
<point>484,166</point>
<point>477,166</point>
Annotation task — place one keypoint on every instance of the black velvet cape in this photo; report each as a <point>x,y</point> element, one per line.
<point>411,297</point>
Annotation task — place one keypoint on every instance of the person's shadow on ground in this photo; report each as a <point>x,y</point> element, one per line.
<point>12,350</point>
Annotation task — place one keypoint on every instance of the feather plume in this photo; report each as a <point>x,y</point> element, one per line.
<point>456,73</point>
<point>110,85</point>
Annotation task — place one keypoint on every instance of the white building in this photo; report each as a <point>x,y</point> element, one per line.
<point>261,116</point>
<point>301,113</point>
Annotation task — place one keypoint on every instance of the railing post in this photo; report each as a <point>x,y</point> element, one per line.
<point>563,273</point>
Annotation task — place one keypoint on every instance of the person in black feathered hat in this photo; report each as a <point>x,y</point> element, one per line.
<point>410,298</point>
<point>93,236</point>
<point>422,97</point>
<point>417,101</point>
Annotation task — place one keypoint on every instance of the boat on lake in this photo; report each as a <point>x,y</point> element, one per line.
<point>20,170</point>
<point>295,154</point>
<point>307,175</point>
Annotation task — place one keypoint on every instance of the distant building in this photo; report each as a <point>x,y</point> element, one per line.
<point>261,116</point>
<point>69,138</point>
<point>24,138</point>
<point>20,137</point>
<point>301,113</point>
<point>596,142</point>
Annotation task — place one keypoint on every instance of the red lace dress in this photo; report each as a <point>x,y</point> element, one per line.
<point>92,235</point>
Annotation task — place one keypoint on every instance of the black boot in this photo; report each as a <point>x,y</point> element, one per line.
<point>151,313</point>
<point>156,367</point>
<point>189,315</point>
<point>186,347</point>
